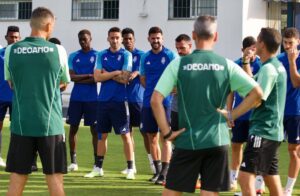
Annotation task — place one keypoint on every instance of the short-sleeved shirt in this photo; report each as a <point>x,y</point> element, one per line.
<point>255,66</point>
<point>204,80</point>
<point>83,63</point>
<point>5,91</point>
<point>36,67</point>
<point>292,104</point>
<point>112,61</point>
<point>135,90</point>
<point>152,67</point>
<point>267,120</point>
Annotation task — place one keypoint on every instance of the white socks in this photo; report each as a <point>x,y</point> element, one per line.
<point>290,183</point>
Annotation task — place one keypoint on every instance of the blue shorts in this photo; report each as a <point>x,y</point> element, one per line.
<point>292,129</point>
<point>79,109</point>
<point>4,106</point>
<point>149,124</point>
<point>240,131</point>
<point>135,110</point>
<point>113,114</point>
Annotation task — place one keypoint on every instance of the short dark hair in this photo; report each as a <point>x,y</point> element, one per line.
<point>291,32</point>
<point>127,31</point>
<point>38,14</point>
<point>154,30</point>
<point>183,37</point>
<point>271,38</point>
<point>113,30</point>
<point>248,41</point>
<point>84,31</point>
<point>54,40</point>
<point>12,29</point>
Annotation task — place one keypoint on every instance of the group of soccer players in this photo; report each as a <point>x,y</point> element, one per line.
<point>128,78</point>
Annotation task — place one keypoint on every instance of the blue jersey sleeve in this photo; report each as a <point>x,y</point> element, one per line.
<point>142,66</point>
<point>172,55</point>
<point>99,59</point>
<point>70,60</point>
<point>127,61</point>
<point>140,53</point>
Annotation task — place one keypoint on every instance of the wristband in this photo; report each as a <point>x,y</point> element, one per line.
<point>168,135</point>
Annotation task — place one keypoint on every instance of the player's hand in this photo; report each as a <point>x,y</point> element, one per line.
<point>224,113</point>
<point>292,55</point>
<point>175,134</point>
<point>249,53</point>
<point>133,75</point>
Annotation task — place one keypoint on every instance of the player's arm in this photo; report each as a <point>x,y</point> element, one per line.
<point>7,75</point>
<point>122,78</point>
<point>81,78</point>
<point>102,75</point>
<point>163,88</point>
<point>133,75</point>
<point>229,102</point>
<point>246,60</point>
<point>295,76</point>
<point>143,81</point>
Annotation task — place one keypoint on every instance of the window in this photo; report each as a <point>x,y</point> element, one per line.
<point>189,9</point>
<point>95,9</point>
<point>14,10</point>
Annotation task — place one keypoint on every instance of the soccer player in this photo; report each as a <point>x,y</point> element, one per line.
<point>135,91</point>
<point>266,121</point>
<point>250,64</point>
<point>203,80</point>
<point>34,69</point>
<point>291,61</point>
<point>12,36</point>
<point>153,63</point>
<point>113,71</point>
<point>83,100</point>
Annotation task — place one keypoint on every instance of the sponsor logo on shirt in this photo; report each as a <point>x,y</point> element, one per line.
<point>203,67</point>
<point>33,50</point>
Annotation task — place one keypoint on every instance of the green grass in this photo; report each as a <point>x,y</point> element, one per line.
<point>113,183</point>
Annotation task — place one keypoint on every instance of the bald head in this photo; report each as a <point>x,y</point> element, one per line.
<point>40,18</point>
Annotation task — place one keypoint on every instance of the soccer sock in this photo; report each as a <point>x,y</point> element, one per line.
<point>259,183</point>
<point>73,157</point>
<point>129,164</point>
<point>150,159</point>
<point>233,175</point>
<point>290,183</point>
<point>99,162</point>
<point>95,158</point>
<point>157,165</point>
<point>164,168</point>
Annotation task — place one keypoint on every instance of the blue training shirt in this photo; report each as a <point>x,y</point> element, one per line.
<point>120,60</point>
<point>83,63</point>
<point>292,103</point>
<point>5,91</point>
<point>152,67</point>
<point>255,66</point>
<point>135,90</point>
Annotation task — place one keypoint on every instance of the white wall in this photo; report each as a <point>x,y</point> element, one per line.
<point>236,20</point>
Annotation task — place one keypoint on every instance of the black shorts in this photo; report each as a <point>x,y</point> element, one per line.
<point>80,109</point>
<point>240,131</point>
<point>292,129</point>
<point>135,110</point>
<point>4,106</point>
<point>22,150</point>
<point>174,121</point>
<point>210,163</point>
<point>260,156</point>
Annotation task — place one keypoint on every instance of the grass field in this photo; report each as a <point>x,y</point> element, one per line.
<point>113,183</point>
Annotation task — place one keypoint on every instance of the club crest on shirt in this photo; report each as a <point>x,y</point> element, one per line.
<point>134,59</point>
<point>119,57</point>
<point>92,59</point>
<point>105,58</point>
<point>163,60</point>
